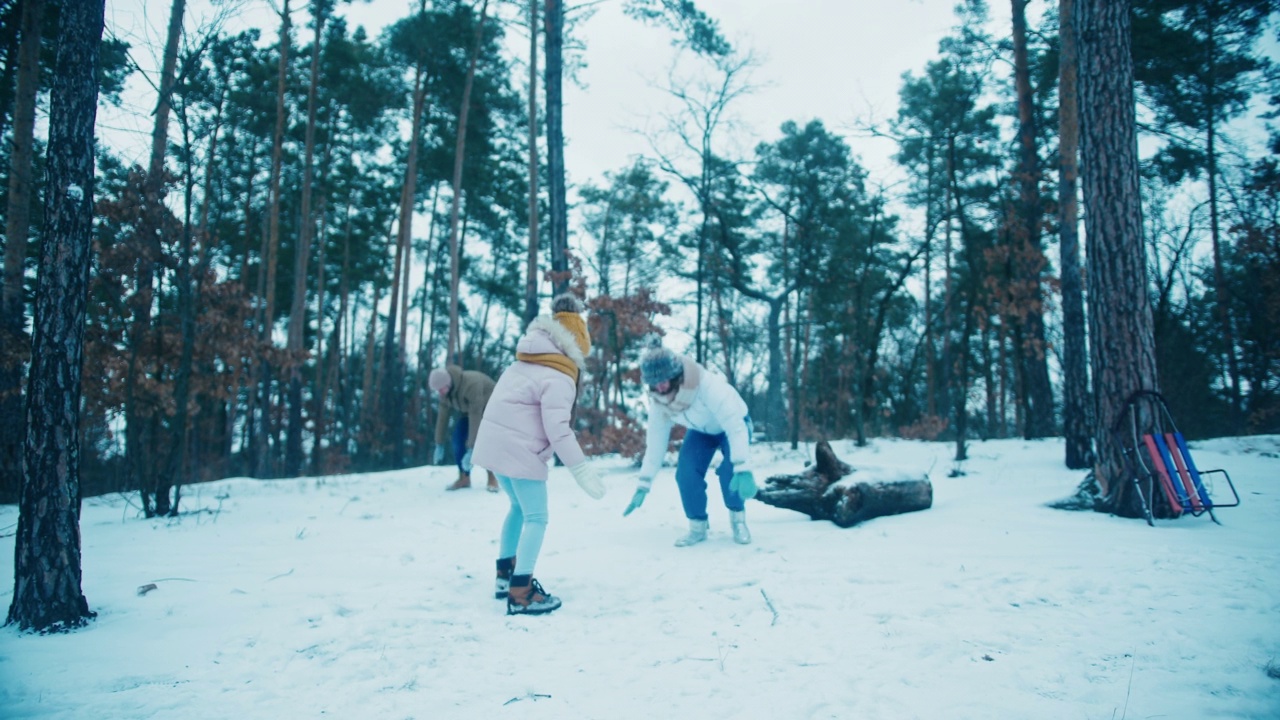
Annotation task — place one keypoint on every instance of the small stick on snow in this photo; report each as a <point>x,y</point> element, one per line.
<point>532,696</point>
<point>772,609</point>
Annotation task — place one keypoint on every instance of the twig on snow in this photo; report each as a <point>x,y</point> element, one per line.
<point>772,609</point>
<point>529,696</point>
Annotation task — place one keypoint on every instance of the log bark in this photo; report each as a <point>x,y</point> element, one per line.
<point>820,493</point>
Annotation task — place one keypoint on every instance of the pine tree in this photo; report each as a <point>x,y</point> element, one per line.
<point>1077,428</point>
<point>1197,66</point>
<point>47,592</point>
<point>13,305</point>
<point>1122,345</point>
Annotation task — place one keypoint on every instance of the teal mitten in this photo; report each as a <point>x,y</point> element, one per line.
<point>744,484</point>
<point>642,492</point>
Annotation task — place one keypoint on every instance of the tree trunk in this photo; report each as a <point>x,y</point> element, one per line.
<point>1221,290</point>
<point>959,389</point>
<point>558,221</point>
<point>264,463</point>
<point>1076,423</point>
<point>392,365</point>
<point>1122,346</point>
<point>188,299</point>
<point>13,306</point>
<point>328,367</point>
<point>775,424</point>
<point>794,375</point>
<point>817,493</point>
<point>249,429</point>
<point>47,592</point>
<point>946,361</point>
<point>298,308</point>
<point>931,350</point>
<point>369,399</point>
<point>1029,260</point>
<point>391,411</point>
<point>319,377</point>
<point>139,425</point>
<point>700,274</point>
<point>190,293</point>
<point>10,22</point>
<point>867,385</point>
<point>459,154</point>
<point>531,274</point>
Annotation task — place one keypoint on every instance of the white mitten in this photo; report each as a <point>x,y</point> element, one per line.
<point>588,479</point>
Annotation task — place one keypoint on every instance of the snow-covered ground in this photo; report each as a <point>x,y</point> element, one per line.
<point>370,596</point>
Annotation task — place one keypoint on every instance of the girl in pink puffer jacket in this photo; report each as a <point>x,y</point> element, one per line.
<point>526,421</point>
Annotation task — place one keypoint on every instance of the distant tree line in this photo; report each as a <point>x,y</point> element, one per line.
<point>263,302</point>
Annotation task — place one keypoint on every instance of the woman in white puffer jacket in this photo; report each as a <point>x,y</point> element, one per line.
<point>682,392</point>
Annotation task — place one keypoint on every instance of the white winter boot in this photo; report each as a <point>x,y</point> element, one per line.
<point>738,520</point>
<point>697,533</point>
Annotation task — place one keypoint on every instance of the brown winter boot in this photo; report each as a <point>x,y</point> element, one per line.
<point>526,597</point>
<point>493,483</point>
<point>463,481</point>
<point>502,584</point>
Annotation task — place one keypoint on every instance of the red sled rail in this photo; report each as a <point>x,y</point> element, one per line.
<point>1156,456</point>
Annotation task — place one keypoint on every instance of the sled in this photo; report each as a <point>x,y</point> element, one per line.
<point>1156,456</point>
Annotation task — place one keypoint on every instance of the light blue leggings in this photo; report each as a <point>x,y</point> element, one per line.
<point>526,522</point>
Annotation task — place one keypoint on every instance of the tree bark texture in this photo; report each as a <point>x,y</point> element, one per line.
<point>47,593</point>
<point>14,343</point>
<point>817,493</point>
<point>558,219</point>
<point>1122,343</point>
<point>1077,426</point>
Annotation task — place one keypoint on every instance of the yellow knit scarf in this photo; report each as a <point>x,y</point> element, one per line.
<point>551,360</point>
<point>577,327</point>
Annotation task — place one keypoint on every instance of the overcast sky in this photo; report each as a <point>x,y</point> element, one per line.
<point>833,60</point>
<point>840,61</point>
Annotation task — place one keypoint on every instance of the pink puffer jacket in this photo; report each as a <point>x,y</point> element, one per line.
<point>527,418</point>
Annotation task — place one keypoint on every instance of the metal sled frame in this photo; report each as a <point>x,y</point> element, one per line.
<point>1157,454</point>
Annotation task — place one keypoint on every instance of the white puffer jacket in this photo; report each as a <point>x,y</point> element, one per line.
<point>713,407</point>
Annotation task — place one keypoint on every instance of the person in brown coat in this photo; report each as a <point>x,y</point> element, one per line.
<point>466,392</point>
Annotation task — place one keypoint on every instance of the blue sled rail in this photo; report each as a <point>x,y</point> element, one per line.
<point>1156,456</point>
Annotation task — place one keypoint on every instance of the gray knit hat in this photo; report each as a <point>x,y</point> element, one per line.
<point>658,364</point>
<point>567,302</point>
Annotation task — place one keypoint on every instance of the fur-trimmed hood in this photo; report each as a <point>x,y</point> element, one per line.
<point>547,335</point>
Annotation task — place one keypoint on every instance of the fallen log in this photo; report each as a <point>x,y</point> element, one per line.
<point>821,493</point>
